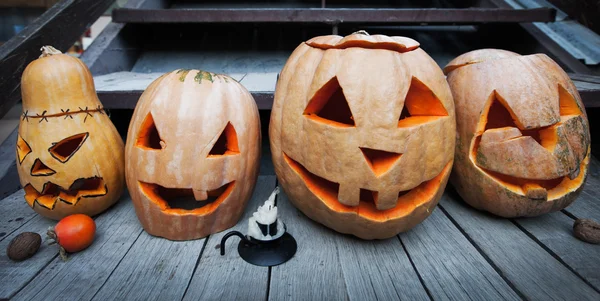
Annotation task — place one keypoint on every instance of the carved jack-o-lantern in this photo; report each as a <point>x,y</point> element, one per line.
<point>523,138</point>
<point>192,154</point>
<point>69,154</point>
<point>362,133</point>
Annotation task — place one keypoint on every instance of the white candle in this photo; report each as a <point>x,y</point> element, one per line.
<point>265,215</point>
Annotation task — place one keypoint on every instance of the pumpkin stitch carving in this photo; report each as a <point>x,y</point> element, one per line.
<point>362,133</point>
<point>523,141</point>
<point>69,160</point>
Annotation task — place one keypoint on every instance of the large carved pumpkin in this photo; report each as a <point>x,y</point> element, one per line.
<point>69,154</point>
<point>362,133</point>
<point>523,140</point>
<point>192,154</point>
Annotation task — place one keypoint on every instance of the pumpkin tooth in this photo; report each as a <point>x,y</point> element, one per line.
<point>575,173</point>
<point>535,191</point>
<point>200,195</point>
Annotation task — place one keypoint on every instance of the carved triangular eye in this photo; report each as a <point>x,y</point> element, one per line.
<point>66,148</point>
<point>23,149</point>
<point>227,144</point>
<point>148,136</point>
<point>421,105</point>
<point>329,105</point>
<point>380,161</point>
<point>568,105</point>
<point>40,169</point>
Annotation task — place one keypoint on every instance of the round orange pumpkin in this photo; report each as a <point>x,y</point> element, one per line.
<point>362,133</point>
<point>192,154</point>
<point>69,154</point>
<point>523,142</point>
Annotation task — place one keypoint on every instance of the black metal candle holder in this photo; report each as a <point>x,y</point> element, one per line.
<point>263,252</point>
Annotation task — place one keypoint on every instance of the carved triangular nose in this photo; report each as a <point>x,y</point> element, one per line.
<point>40,169</point>
<point>380,161</point>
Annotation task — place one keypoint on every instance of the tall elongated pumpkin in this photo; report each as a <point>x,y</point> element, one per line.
<point>69,154</point>
<point>362,133</point>
<point>192,154</point>
<point>523,142</point>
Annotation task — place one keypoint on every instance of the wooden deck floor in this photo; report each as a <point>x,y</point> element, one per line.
<point>456,254</point>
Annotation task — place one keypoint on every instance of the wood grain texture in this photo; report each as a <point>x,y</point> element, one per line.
<point>9,177</point>
<point>60,26</point>
<point>229,277</point>
<point>83,274</point>
<point>555,232</point>
<point>116,48</point>
<point>335,16</point>
<point>14,213</point>
<point>378,270</point>
<point>450,266</point>
<point>534,272</point>
<point>153,269</point>
<point>15,275</point>
<point>314,273</point>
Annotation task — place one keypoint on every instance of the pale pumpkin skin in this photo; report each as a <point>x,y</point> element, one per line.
<point>190,109</point>
<point>375,74</point>
<point>59,101</point>
<point>540,95</point>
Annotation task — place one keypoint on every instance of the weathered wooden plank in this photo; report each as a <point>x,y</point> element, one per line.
<point>314,273</point>
<point>223,62</point>
<point>153,269</point>
<point>378,270</point>
<point>555,232</point>
<point>550,45</point>
<point>84,273</point>
<point>15,275</point>
<point>450,266</point>
<point>535,273</point>
<point>59,26</point>
<point>260,81</point>
<point>117,47</point>
<point>14,214</point>
<point>132,81</point>
<point>9,179</point>
<point>216,275</point>
<point>335,16</point>
<point>121,90</point>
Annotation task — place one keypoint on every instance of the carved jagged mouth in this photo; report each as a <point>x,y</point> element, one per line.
<point>186,199</point>
<point>52,193</point>
<point>327,191</point>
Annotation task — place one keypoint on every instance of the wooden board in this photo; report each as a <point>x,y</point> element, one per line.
<point>85,272</point>
<point>450,266</point>
<point>59,26</point>
<point>555,232</point>
<point>15,275</point>
<point>14,214</point>
<point>314,273</point>
<point>9,177</point>
<point>332,266</point>
<point>534,272</point>
<point>335,16</point>
<point>154,268</point>
<point>229,277</point>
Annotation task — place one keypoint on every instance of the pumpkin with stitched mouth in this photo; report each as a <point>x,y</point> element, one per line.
<point>192,154</point>
<point>523,142</point>
<point>362,133</point>
<point>69,154</point>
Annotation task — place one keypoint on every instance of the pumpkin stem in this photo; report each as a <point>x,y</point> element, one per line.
<point>48,51</point>
<point>363,32</point>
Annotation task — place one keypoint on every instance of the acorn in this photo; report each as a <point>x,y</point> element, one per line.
<point>23,246</point>
<point>587,230</point>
